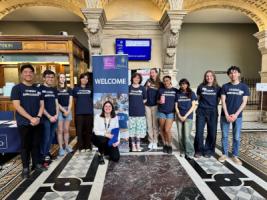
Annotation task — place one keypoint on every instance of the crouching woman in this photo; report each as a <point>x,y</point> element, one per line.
<point>104,123</point>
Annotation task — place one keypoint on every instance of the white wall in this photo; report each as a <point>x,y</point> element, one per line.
<point>217,47</point>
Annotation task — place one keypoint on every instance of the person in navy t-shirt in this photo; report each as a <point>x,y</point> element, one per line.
<point>50,117</point>
<point>65,116</point>
<point>185,105</point>
<point>166,109</point>
<point>29,105</point>
<point>234,96</point>
<point>152,86</point>
<point>83,97</point>
<point>137,119</point>
<point>208,94</point>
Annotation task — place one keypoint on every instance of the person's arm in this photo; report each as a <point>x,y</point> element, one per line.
<point>240,109</point>
<point>119,136</point>
<point>144,95</point>
<point>61,108</point>
<point>57,110</point>
<point>22,112</point>
<point>70,104</point>
<point>191,109</point>
<point>223,98</point>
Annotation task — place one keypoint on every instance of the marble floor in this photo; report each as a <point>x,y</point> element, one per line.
<point>145,175</point>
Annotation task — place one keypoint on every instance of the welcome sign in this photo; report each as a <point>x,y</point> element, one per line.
<point>110,83</point>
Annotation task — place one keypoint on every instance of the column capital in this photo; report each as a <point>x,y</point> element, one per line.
<point>172,19</point>
<point>94,15</point>
<point>94,24</point>
<point>262,44</point>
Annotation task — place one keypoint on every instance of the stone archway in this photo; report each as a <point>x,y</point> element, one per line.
<point>75,7</point>
<point>256,9</point>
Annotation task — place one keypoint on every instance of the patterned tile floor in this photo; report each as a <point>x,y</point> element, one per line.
<point>80,176</point>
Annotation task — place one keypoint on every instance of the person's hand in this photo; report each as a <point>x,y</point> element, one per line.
<point>109,135</point>
<point>228,118</point>
<point>233,117</point>
<point>66,113</point>
<point>116,144</point>
<point>181,118</point>
<point>35,121</point>
<point>53,119</point>
<point>148,84</point>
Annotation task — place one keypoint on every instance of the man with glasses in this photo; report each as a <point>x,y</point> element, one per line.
<point>50,117</point>
<point>29,105</point>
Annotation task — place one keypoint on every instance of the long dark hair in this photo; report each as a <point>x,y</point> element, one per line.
<point>58,84</point>
<point>156,82</point>
<point>112,114</point>
<point>188,89</point>
<point>82,76</point>
<point>215,83</point>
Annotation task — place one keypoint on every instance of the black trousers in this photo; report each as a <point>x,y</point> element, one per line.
<point>30,144</point>
<point>101,143</point>
<point>84,128</point>
<point>209,117</point>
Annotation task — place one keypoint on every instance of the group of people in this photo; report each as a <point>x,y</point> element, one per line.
<point>42,111</point>
<point>155,106</point>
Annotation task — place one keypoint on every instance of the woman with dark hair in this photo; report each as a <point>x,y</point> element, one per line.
<point>137,119</point>
<point>83,97</point>
<point>184,106</point>
<point>207,113</point>
<point>65,116</point>
<point>152,86</point>
<point>166,108</point>
<point>103,125</point>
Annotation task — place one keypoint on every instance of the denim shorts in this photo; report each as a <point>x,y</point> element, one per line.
<point>161,115</point>
<point>61,117</point>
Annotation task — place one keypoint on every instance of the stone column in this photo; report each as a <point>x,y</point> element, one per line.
<point>262,45</point>
<point>94,23</point>
<point>171,22</point>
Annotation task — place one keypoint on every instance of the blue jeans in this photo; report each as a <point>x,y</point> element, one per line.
<point>237,126</point>
<point>203,116</point>
<point>49,130</point>
<point>185,138</point>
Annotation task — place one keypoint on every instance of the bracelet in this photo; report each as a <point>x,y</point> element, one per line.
<point>38,117</point>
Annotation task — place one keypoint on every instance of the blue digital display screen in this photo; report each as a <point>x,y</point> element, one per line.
<point>137,49</point>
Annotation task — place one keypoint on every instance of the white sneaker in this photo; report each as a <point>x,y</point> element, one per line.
<point>151,145</point>
<point>155,146</point>
<point>82,151</point>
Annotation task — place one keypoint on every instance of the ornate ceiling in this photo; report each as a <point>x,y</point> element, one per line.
<point>255,9</point>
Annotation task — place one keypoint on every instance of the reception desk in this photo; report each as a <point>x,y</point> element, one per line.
<point>9,137</point>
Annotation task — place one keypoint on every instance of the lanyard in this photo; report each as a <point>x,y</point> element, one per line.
<point>107,125</point>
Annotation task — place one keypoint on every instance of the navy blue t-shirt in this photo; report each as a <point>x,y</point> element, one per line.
<point>136,101</point>
<point>152,94</point>
<point>64,96</point>
<point>185,103</point>
<point>123,118</point>
<point>29,97</point>
<point>84,100</point>
<point>234,97</point>
<point>170,96</point>
<point>50,96</point>
<point>208,96</point>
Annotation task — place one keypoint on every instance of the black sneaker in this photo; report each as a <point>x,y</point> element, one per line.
<point>169,150</point>
<point>25,173</point>
<point>165,149</point>
<point>101,160</point>
<point>197,155</point>
<point>39,168</point>
<point>207,155</point>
